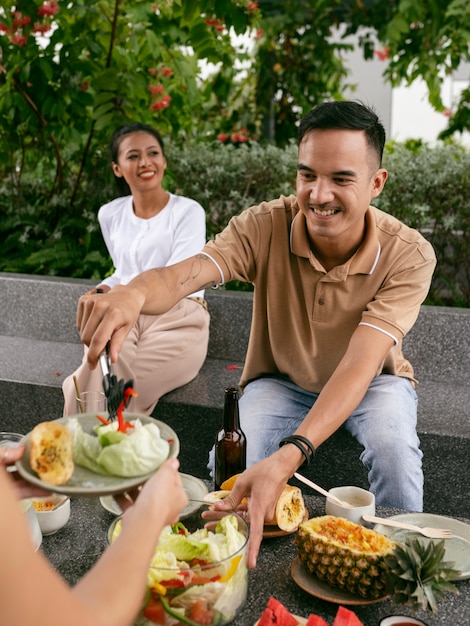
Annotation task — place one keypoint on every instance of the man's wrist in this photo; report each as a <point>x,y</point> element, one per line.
<point>305,446</point>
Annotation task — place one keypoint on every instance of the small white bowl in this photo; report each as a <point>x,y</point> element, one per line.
<point>401,620</point>
<point>51,521</point>
<point>362,501</point>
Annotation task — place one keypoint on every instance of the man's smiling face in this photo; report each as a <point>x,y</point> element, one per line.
<point>337,176</point>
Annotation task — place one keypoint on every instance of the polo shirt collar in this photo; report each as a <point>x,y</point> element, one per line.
<point>363,261</point>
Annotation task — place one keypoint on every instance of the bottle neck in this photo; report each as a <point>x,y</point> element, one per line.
<point>231,412</point>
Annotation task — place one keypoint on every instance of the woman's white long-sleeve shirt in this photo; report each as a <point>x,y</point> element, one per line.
<point>177,232</point>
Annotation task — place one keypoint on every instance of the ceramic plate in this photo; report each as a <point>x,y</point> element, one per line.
<point>300,620</point>
<point>457,549</point>
<point>195,489</point>
<point>274,531</point>
<point>320,589</point>
<point>84,482</point>
<point>269,531</point>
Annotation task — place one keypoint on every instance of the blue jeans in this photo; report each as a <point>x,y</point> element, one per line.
<point>384,423</point>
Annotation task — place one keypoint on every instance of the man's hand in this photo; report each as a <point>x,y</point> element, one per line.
<point>261,484</point>
<point>105,316</point>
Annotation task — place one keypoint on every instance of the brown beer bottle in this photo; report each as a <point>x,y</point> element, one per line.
<point>230,442</point>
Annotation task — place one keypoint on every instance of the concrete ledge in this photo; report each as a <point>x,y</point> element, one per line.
<point>39,347</point>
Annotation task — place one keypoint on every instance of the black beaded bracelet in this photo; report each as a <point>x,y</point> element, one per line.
<point>303,444</point>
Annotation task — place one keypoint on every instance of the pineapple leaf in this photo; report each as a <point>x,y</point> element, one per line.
<point>420,576</point>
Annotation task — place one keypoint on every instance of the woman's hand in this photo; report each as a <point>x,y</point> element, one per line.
<point>164,488</point>
<point>8,457</point>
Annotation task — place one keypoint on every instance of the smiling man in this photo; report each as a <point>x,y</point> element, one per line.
<point>338,284</point>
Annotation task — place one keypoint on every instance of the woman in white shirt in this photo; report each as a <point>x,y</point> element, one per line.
<point>149,228</point>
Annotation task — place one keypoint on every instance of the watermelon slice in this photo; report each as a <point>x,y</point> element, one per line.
<point>276,613</point>
<point>315,620</point>
<point>345,617</point>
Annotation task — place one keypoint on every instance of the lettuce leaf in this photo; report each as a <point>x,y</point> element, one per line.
<point>140,452</point>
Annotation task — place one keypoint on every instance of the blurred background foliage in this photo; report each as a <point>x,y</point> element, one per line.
<point>70,72</point>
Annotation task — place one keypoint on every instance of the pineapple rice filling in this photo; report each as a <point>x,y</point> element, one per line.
<point>354,536</point>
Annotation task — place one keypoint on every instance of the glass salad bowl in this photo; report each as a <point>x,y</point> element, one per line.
<point>198,574</point>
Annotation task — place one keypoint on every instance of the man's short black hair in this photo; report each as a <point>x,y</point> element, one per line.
<point>347,115</point>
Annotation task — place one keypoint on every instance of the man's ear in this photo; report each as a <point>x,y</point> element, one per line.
<point>378,182</point>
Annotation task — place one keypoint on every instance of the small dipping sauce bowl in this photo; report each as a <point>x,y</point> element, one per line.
<point>52,512</point>
<point>401,620</point>
<point>362,502</point>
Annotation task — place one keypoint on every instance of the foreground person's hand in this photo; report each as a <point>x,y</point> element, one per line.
<point>164,490</point>
<point>8,457</point>
<point>107,315</point>
<point>261,484</point>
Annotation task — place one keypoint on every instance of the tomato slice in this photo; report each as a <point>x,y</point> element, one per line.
<point>200,613</point>
<point>154,611</point>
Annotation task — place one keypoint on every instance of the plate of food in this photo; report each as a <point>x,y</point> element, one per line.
<point>70,457</point>
<point>271,531</point>
<point>289,513</point>
<point>456,549</point>
<point>322,590</point>
<point>195,489</point>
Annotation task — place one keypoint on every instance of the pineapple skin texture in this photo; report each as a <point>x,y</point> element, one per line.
<point>325,547</point>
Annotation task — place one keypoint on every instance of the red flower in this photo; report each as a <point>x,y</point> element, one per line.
<point>222,137</point>
<point>252,6</point>
<point>85,86</point>
<point>48,9</point>
<point>19,40</point>
<point>156,89</point>
<point>383,54</point>
<point>4,28</point>
<point>19,20</point>
<point>41,28</point>
<point>166,71</point>
<point>447,112</point>
<point>259,33</point>
<point>156,106</point>
<point>161,104</point>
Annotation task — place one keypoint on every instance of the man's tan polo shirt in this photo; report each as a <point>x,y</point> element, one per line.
<point>303,316</point>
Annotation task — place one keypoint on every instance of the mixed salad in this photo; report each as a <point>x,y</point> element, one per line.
<point>196,577</point>
<point>138,450</point>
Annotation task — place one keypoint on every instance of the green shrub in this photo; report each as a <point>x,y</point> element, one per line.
<point>428,188</point>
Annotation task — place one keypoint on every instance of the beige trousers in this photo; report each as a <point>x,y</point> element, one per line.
<point>161,353</point>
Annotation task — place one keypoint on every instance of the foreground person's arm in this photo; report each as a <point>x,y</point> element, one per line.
<point>101,317</point>
<point>111,593</point>
<point>263,482</point>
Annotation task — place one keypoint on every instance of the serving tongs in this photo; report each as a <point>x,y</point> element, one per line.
<point>114,389</point>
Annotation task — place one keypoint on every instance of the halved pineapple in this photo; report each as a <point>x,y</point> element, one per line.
<point>346,555</point>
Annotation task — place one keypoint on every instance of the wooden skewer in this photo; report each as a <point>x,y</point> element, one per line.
<point>77,391</point>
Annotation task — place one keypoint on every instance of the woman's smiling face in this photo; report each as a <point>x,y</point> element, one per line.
<point>141,161</point>
<point>337,176</point>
